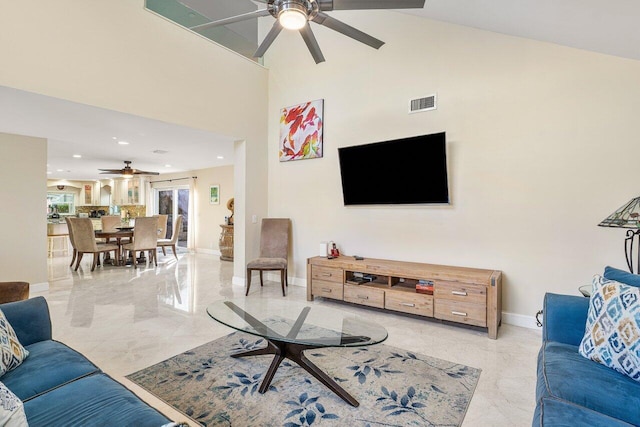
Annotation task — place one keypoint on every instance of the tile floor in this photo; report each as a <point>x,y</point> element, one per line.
<point>125,319</point>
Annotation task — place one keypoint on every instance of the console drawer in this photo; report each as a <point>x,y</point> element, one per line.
<point>419,304</point>
<point>364,295</point>
<point>328,274</point>
<point>462,312</point>
<point>461,292</point>
<point>322,288</point>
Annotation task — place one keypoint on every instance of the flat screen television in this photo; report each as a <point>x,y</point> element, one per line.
<point>403,171</point>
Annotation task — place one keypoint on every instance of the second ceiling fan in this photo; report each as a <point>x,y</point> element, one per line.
<point>296,15</point>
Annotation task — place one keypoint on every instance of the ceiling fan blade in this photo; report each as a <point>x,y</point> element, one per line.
<point>312,43</point>
<point>110,171</point>
<point>139,172</point>
<point>268,40</point>
<point>231,20</point>
<point>339,26</point>
<point>369,4</point>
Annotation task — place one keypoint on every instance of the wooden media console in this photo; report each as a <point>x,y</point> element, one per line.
<point>465,295</point>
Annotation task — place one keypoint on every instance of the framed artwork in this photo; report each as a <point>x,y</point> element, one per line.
<point>214,194</point>
<point>301,131</point>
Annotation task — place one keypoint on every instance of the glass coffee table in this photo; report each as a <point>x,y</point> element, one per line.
<point>290,328</point>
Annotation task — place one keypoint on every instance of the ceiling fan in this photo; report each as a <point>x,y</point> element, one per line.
<point>296,15</point>
<point>127,170</point>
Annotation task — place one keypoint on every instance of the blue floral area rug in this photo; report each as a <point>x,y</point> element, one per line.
<point>394,387</point>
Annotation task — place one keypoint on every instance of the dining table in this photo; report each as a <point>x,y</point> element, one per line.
<point>118,235</point>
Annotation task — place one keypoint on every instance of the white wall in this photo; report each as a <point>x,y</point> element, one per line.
<point>23,211</point>
<point>116,55</point>
<point>543,143</point>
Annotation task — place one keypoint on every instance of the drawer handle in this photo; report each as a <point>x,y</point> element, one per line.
<point>460,293</point>
<point>327,274</point>
<point>458,313</point>
<point>362,296</point>
<point>326,290</point>
<point>407,304</point>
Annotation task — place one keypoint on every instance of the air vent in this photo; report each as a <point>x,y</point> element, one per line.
<point>160,151</point>
<point>422,104</point>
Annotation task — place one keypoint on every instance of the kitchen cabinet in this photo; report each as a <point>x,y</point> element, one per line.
<point>128,191</point>
<point>89,194</point>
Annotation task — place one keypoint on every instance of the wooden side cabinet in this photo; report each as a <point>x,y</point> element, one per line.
<point>470,296</point>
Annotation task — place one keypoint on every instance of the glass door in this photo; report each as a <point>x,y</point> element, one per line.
<point>174,201</point>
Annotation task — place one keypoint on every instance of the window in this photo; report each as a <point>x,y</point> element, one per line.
<point>61,203</point>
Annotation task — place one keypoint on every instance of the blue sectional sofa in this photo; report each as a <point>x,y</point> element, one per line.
<point>572,390</point>
<point>59,386</point>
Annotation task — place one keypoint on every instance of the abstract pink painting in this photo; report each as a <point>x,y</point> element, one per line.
<point>301,131</point>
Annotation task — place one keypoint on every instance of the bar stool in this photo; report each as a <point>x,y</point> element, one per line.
<point>57,231</point>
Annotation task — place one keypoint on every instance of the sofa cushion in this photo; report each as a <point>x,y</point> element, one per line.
<point>622,276</point>
<point>49,365</point>
<point>564,374</point>
<point>95,400</point>
<point>12,353</point>
<point>612,332</point>
<point>11,409</point>
<point>554,412</point>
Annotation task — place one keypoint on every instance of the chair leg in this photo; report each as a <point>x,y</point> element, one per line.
<point>80,254</point>
<point>96,258</point>
<point>173,248</point>
<point>248,281</point>
<point>154,254</point>
<point>286,277</point>
<point>135,261</point>
<point>282,276</point>
<point>75,254</point>
<point>164,251</point>
<point>261,283</point>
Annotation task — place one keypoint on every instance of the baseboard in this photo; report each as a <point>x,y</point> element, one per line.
<point>207,251</point>
<point>39,287</point>
<point>520,320</point>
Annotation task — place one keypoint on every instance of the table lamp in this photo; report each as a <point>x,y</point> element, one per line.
<point>627,216</point>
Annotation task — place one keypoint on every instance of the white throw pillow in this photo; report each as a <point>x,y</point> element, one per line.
<point>11,409</point>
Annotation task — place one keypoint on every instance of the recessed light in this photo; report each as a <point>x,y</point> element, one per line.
<point>77,156</point>
<point>49,172</point>
<point>59,170</point>
<point>123,143</point>
<point>167,166</point>
<point>221,157</point>
<point>114,137</point>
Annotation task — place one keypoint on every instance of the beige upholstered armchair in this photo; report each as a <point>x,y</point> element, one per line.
<point>274,251</point>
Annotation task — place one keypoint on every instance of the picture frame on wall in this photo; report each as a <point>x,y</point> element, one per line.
<point>214,194</point>
<point>301,131</point>
<point>88,194</point>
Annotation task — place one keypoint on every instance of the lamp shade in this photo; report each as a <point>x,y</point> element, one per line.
<point>627,216</point>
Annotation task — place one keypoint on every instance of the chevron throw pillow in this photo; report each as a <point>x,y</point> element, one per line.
<point>612,332</point>
<point>12,352</point>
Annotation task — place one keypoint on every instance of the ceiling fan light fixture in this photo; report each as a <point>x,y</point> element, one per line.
<point>292,16</point>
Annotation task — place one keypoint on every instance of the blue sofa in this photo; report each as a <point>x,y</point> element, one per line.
<point>572,390</point>
<point>59,386</point>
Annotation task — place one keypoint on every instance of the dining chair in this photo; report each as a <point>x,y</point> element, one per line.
<point>173,241</point>
<point>145,238</point>
<point>73,243</point>
<point>274,251</point>
<point>162,225</point>
<point>110,222</point>
<point>85,241</point>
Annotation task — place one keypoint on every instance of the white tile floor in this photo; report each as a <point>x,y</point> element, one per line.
<point>125,320</point>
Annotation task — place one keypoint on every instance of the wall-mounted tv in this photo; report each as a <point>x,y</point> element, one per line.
<point>402,171</point>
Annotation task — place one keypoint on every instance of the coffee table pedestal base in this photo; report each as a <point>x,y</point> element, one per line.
<point>285,350</point>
